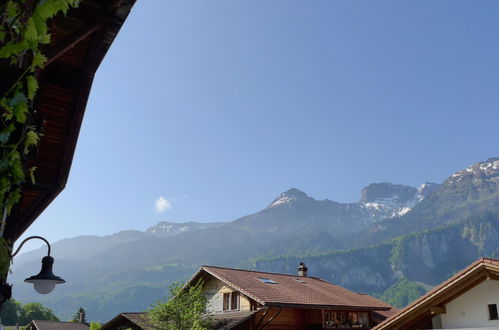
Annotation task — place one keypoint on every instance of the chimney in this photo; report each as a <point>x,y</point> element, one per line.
<point>302,270</point>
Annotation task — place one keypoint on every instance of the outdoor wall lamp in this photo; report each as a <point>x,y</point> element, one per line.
<point>45,281</point>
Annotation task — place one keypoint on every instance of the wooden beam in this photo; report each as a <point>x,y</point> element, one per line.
<point>53,53</point>
<point>435,310</point>
<point>491,276</point>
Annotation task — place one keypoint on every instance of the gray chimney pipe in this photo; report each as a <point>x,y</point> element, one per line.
<point>302,269</point>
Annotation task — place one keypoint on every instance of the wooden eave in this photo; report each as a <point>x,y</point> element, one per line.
<point>418,314</point>
<point>79,42</point>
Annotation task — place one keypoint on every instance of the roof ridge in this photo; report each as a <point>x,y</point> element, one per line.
<point>256,271</point>
<point>58,321</point>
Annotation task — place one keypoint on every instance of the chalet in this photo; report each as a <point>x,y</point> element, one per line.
<point>468,300</point>
<point>243,299</point>
<point>56,325</point>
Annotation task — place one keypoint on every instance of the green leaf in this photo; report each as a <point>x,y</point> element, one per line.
<point>30,32</point>
<point>16,167</point>
<point>32,86</point>
<point>5,133</point>
<point>18,98</point>
<point>47,9</point>
<point>13,49</point>
<point>13,10</point>
<point>19,111</point>
<point>41,25</point>
<point>32,139</point>
<point>14,197</point>
<point>19,104</point>
<point>38,60</point>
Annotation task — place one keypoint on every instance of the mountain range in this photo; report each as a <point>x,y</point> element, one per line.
<point>393,233</point>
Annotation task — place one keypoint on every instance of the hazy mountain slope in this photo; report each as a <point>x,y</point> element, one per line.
<point>83,247</point>
<point>102,269</point>
<point>428,257</point>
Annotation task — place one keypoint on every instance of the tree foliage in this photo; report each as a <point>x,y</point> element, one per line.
<point>95,326</point>
<point>11,310</point>
<point>403,293</point>
<point>185,310</point>
<point>79,316</point>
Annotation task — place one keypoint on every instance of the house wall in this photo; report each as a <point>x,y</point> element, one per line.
<point>470,309</point>
<point>214,290</point>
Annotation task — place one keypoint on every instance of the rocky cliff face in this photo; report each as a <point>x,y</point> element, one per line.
<point>388,193</point>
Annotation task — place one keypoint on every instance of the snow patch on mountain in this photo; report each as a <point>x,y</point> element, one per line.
<point>488,169</point>
<point>168,229</point>
<point>288,197</point>
<point>386,200</point>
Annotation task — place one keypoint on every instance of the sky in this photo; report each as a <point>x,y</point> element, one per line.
<point>208,110</point>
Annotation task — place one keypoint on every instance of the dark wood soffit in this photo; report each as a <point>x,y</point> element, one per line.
<point>78,45</point>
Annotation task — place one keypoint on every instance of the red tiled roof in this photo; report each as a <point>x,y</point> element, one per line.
<point>56,325</point>
<point>292,290</point>
<point>438,291</point>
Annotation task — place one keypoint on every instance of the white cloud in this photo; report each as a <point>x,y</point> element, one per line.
<point>162,204</point>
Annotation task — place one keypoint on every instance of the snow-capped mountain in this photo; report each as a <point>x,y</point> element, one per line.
<point>387,200</point>
<point>487,170</point>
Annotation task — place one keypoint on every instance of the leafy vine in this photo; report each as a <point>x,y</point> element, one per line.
<point>23,29</point>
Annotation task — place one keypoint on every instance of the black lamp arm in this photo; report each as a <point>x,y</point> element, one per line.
<point>27,239</point>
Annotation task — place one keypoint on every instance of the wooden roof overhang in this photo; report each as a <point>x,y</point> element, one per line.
<point>79,42</point>
<point>418,314</point>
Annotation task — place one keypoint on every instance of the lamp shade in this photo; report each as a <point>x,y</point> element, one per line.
<point>45,281</point>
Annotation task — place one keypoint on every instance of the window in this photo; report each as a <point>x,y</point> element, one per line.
<point>231,301</point>
<point>341,319</point>
<point>267,280</point>
<point>226,301</point>
<point>493,312</point>
<point>234,301</point>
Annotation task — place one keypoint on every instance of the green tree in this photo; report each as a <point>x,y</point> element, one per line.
<point>95,326</point>
<point>10,312</point>
<point>185,310</point>
<point>35,311</point>
<point>80,316</point>
<point>402,293</point>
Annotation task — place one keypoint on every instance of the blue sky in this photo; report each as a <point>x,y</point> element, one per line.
<point>219,106</point>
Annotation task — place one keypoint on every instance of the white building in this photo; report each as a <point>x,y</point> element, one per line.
<point>468,300</point>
